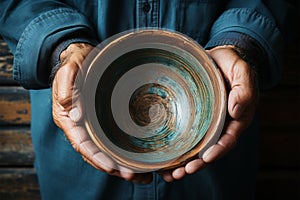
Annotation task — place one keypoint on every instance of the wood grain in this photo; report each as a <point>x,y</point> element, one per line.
<point>6,65</point>
<point>14,106</point>
<point>16,147</point>
<point>19,184</point>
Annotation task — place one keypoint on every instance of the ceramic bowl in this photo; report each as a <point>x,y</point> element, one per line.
<point>153,99</point>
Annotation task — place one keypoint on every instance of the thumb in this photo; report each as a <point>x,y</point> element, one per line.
<point>238,100</point>
<point>240,79</point>
<point>63,84</point>
<point>242,93</point>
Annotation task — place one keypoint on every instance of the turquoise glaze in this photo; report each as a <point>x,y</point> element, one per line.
<point>197,91</point>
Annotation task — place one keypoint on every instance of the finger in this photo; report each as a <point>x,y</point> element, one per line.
<point>126,173</point>
<point>95,156</point>
<point>166,175</point>
<point>82,143</point>
<point>218,150</point>
<point>194,166</point>
<point>131,175</point>
<point>227,141</point>
<point>101,161</point>
<point>178,173</point>
<point>76,114</point>
<point>90,163</point>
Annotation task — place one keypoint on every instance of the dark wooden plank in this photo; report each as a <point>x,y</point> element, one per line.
<point>6,65</point>
<point>14,106</point>
<point>278,185</point>
<point>16,146</point>
<point>19,184</point>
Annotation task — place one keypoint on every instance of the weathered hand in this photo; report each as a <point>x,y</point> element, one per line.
<point>241,107</point>
<point>67,114</point>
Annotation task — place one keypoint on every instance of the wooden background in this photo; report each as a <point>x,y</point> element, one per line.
<point>279,113</point>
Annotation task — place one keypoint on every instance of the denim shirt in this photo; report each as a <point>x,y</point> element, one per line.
<point>34,28</point>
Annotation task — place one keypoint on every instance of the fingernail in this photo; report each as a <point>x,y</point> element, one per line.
<point>207,152</point>
<point>237,110</point>
<point>75,114</point>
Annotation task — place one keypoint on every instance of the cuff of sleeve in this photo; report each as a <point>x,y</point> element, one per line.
<point>247,47</point>
<point>32,61</point>
<point>259,27</point>
<point>55,57</point>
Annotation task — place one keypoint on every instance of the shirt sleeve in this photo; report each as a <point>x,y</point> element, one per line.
<point>33,29</point>
<point>249,25</point>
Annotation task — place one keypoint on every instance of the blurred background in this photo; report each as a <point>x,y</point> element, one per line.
<point>279,140</point>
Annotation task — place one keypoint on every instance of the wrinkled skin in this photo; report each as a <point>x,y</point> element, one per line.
<point>241,107</point>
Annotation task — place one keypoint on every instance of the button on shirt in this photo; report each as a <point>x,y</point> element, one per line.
<point>147,13</point>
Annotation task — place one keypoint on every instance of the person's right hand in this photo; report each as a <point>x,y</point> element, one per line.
<point>67,115</point>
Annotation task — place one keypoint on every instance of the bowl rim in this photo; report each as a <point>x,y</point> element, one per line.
<point>166,37</point>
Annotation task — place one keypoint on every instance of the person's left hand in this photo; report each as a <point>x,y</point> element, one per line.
<point>241,107</point>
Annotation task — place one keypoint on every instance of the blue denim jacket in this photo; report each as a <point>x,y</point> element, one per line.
<point>34,28</point>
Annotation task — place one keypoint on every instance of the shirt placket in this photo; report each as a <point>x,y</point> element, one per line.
<point>147,13</point>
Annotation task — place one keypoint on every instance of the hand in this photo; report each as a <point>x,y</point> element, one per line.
<point>241,107</point>
<point>67,115</point>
